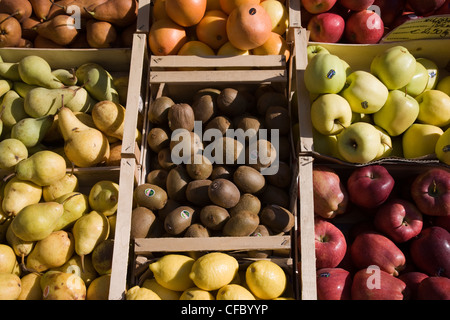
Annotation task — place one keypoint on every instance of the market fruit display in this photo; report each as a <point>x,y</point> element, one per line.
<point>68,23</point>
<point>391,109</point>
<point>211,276</point>
<point>363,22</point>
<point>228,29</point>
<point>384,249</point>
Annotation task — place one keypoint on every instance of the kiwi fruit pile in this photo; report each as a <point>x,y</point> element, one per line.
<point>203,198</point>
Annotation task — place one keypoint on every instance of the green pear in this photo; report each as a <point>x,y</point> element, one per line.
<point>12,151</point>
<point>31,288</point>
<point>10,70</point>
<point>10,286</point>
<point>104,197</point>
<point>88,231</point>
<point>18,194</point>
<point>21,247</point>
<point>7,258</point>
<point>98,82</point>
<point>74,265</point>
<point>102,256</point>
<point>83,145</point>
<point>43,168</point>
<point>5,86</point>
<point>36,70</point>
<point>37,221</point>
<point>31,131</point>
<point>23,88</point>
<point>68,183</point>
<point>51,252</point>
<point>42,101</point>
<point>65,76</point>
<point>75,206</point>
<point>82,101</point>
<point>57,285</point>
<point>13,108</point>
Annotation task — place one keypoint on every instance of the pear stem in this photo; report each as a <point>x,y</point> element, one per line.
<point>58,5</point>
<point>6,178</point>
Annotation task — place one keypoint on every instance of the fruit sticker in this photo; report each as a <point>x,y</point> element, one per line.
<point>185,214</point>
<point>149,192</point>
<point>331,74</point>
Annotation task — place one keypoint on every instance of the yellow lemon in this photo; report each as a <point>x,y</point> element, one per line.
<point>138,293</point>
<point>214,270</point>
<point>234,292</point>
<point>162,292</point>
<point>195,293</point>
<point>265,279</point>
<point>172,271</point>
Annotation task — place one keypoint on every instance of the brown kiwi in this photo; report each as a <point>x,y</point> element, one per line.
<point>224,193</point>
<point>249,180</point>
<point>177,181</point>
<point>158,139</point>
<point>197,192</point>
<point>232,102</point>
<point>179,219</point>
<point>277,118</point>
<point>261,154</point>
<point>150,196</point>
<point>241,224</point>
<point>205,104</point>
<point>159,109</point>
<point>142,219</point>
<point>270,98</point>
<point>247,202</point>
<point>277,218</point>
<point>196,230</point>
<point>185,144</point>
<point>156,229</point>
<point>165,159</point>
<point>232,150</point>
<point>181,116</point>
<point>170,205</point>
<point>284,148</point>
<point>199,170</point>
<point>222,171</point>
<point>261,231</point>
<point>275,195</point>
<point>282,178</point>
<point>249,124</point>
<point>158,177</point>
<point>221,123</point>
<point>214,217</point>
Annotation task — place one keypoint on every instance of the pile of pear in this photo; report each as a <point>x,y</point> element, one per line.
<point>56,236</point>
<point>78,113</point>
<point>68,23</point>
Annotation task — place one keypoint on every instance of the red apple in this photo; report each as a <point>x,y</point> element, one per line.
<point>430,191</point>
<point>389,10</point>
<point>406,16</point>
<point>412,280</point>
<point>364,27</point>
<point>326,27</point>
<point>356,5</point>
<point>399,219</point>
<point>372,248</point>
<point>430,251</point>
<point>376,284</point>
<point>369,186</point>
<point>425,7</point>
<point>333,284</point>
<point>434,288</point>
<point>317,6</point>
<point>444,9</point>
<point>330,195</point>
<point>330,244</point>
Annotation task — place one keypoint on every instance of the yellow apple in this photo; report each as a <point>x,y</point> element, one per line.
<point>325,144</point>
<point>312,50</point>
<point>330,114</point>
<point>418,83</point>
<point>398,113</point>
<point>325,73</point>
<point>433,72</point>
<point>385,145</point>
<point>420,140</point>
<point>444,85</point>
<point>434,108</point>
<point>278,15</point>
<point>442,148</point>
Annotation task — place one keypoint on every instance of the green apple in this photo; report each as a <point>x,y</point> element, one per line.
<point>418,83</point>
<point>398,113</point>
<point>385,145</point>
<point>433,72</point>
<point>442,148</point>
<point>395,67</point>
<point>444,85</point>
<point>420,140</point>
<point>330,114</point>
<point>434,108</point>
<point>364,92</point>
<point>359,143</point>
<point>312,50</point>
<point>325,73</point>
<point>325,144</point>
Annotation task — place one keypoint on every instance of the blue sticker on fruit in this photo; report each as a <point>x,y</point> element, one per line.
<point>331,74</point>
<point>324,275</point>
<point>364,104</point>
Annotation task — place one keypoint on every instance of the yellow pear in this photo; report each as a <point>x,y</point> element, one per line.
<point>104,197</point>
<point>21,247</point>
<point>7,259</point>
<point>109,117</point>
<point>57,285</point>
<point>31,288</point>
<point>75,206</point>
<point>10,286</point>
<point>68,183</point>
<point>74,265</point>
<point>99,288</point>
<point>19,194</point>
<point>83,145</point>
